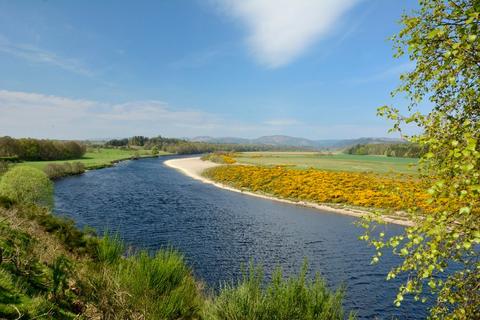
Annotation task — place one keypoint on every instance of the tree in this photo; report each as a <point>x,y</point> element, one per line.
<point>27,185</point>
<point>440,253</point>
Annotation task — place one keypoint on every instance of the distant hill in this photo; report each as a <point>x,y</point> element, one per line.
<point>282,140</point>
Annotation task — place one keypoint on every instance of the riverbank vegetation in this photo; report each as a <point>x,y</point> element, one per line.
<point>51,270</point>
<point>28,149</point>
<point>56,170</point>
<point>220,157</point>
<point>97,157</point>
<point>325,187</point>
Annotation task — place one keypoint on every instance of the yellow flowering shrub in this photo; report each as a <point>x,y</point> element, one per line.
<point>358,189</point>
<point>217,157</point>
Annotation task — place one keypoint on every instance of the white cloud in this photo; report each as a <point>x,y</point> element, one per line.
<point>38,115</point>
<point>281,30</point>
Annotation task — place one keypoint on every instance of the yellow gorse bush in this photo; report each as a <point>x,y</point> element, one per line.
<point>358,189</point>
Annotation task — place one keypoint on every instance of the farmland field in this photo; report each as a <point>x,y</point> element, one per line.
<point>334,162</point>
<point>95,158</point>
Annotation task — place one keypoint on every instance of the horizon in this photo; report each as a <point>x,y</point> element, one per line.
<point>219,68</point>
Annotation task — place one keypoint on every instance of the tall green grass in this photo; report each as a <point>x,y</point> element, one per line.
<point>282,298</point>
<point>141,285</point>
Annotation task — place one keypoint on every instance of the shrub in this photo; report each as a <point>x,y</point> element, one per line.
<point>110,249</point>
<point>27,185</point>
<point>35,149</point>
<point>164,275</point>
<point>220,157</point>
<point>3,167</point>
<point>55,171</point>
<point>281,299</point>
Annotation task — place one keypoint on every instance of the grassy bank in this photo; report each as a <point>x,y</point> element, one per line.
<point>98,158</point>
<point>333,162</point>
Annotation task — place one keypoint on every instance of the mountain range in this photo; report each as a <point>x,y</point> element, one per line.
<point>282,140</point>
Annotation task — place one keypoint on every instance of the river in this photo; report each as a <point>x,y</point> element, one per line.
<point>153,206</point>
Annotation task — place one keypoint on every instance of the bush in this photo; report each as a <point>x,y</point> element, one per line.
<point>142,286</point>
<point>220,157</point>
<point>3,167</point>
<point>55,171</point>
<point>109,249</point>
<point>281,299</point>
<point>27,185</point>
<point>35,149</point>
<point>164,275</point>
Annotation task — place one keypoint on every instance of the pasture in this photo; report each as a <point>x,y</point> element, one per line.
<point>333,162</point>
<point>97,158</point>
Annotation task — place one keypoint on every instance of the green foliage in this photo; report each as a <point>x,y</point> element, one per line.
<point>220,157</point>
<point>154,151</point>
<point>442,38</point>
<point>27,185</point>
<point>110,249</point>
<point>34,149</point>
<point>60,273</point>
<point>55,170</point>
<point>403,150</point>
<point>3,167</point>
<point>164,275</point>
<point>29,287</point>
<point>281,299</point>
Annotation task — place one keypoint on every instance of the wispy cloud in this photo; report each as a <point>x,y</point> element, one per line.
<point>39,115</point>
<point>281,30</point>
<point>35,54</point>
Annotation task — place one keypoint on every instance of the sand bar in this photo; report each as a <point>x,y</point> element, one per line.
<point>193,167</point>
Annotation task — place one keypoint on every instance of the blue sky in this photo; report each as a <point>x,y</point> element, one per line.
<point>99,69</point>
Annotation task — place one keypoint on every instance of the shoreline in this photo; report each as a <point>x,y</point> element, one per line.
<point>194,166</point>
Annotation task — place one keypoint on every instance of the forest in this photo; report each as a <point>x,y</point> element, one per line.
<point>182,146</point>
<point>402,150</point>
<point>29,149</point>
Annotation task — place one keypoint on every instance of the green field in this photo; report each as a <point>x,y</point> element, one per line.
<point>334,162</point>
<point>96,158</point>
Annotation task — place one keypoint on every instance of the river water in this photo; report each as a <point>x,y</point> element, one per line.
<point>154,206</point>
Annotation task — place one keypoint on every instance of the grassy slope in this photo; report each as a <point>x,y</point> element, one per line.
<point>96,158</point>
<point>334,162</point>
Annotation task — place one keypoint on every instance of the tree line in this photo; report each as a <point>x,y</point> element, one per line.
<point>182,146</point>
<point>403,150</point>
<point>30,149</point>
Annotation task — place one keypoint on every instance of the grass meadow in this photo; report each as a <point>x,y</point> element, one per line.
<point>97,158</point>
<point>332,162</point>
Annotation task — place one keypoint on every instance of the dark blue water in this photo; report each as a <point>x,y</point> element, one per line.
<point>153,206</point>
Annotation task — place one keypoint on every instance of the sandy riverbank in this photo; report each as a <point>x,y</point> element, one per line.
<point>193,167</point>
